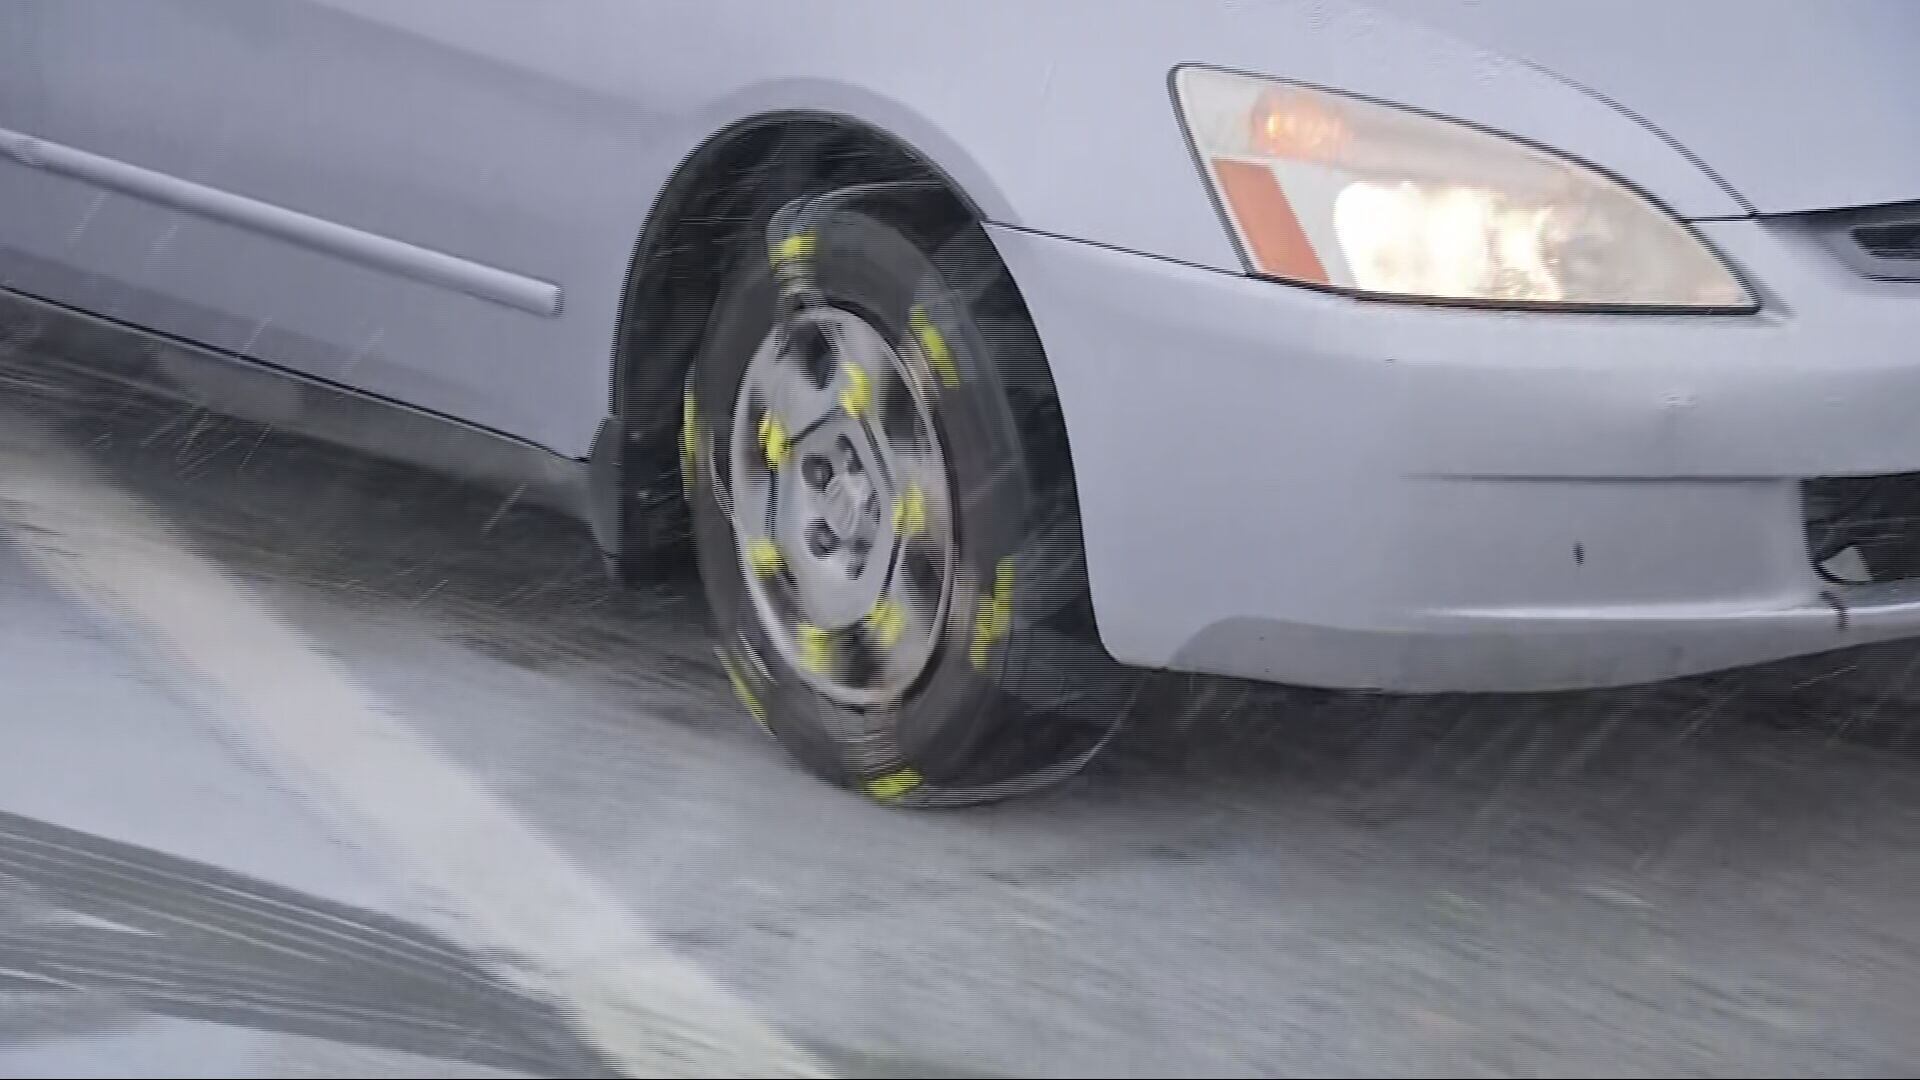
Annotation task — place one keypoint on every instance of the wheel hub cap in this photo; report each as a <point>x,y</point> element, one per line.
<point>839,497</point>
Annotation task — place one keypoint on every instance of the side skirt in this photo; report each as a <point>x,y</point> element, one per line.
<point>239,386</point>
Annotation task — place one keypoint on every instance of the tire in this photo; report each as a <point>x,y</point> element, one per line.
<point>1015,692</point>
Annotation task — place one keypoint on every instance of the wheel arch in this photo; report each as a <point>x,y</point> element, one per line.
<point>731,180</point>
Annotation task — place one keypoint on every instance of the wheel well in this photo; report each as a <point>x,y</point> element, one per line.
<point>727,188</point>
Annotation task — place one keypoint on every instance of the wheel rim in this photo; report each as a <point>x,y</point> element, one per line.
<point>840,504</point>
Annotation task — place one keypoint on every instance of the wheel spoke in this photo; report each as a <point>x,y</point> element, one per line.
<point>869,353</point>
<point>752,505</point>
<point>795,398</point>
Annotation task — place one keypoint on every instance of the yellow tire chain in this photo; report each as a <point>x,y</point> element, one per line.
<point>744,692</point>
<point>773,440</point>
<point>893,785</point>
<point>994,618</point>
<point>794,250</point>
<point>689,440</point>
<point>858,394</point>
<point>910,512</point>
<point>816,648</point>
<point>764,556</point>
<point>792,259</point>
<point>934,345</point>
<point>886,622</point>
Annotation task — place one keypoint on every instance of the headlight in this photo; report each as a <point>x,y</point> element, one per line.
<point>1325,189</point>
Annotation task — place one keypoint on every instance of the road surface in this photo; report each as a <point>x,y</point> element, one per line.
<point>320,765</point>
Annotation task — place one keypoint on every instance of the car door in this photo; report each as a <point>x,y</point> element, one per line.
<point>57,233</point>
<point>391,197</point>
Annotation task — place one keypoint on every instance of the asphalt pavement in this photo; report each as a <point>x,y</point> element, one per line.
<point>1712,877</point>
<point>167,910</point>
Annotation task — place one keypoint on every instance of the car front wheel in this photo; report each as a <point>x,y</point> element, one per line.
<point>885,517</point>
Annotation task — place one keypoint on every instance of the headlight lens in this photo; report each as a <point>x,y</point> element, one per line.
<point>1325,189</point>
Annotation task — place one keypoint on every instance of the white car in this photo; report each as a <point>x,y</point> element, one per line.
<point>1414,346</point>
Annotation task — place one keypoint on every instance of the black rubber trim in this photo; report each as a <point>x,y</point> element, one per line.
<point>1839,231</point>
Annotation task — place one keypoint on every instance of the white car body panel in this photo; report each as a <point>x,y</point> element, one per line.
<point>435,203</point>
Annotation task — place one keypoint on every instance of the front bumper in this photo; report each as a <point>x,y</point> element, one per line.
<point>1289,485</point>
